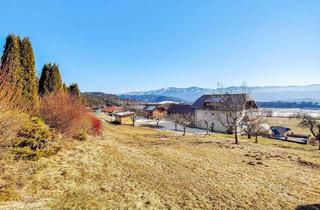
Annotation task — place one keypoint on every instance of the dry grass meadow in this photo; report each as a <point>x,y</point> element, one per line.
<point>142,168</point>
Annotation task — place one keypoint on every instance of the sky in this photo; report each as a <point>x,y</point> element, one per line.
<point>118,46</point>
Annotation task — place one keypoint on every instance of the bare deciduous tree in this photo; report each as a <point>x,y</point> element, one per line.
<point>186,119</point>
<point>206,121</point>
<point>220,88</point>
<point>313,124</point>
<point>253,124</point>
<point>233,110</point>
<point>207,126</point>
<point>137,112</point>
<point>175,119</point>
<point>244,88</point>
<point>183,119</point>
<point>157,116</point>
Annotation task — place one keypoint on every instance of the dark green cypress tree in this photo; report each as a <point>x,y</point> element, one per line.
<point>64,87</point>
<point>50,79</point>
<point>56,79</point>
<point>10,69</point>
<point>27,60</point>
<point>74,90</point>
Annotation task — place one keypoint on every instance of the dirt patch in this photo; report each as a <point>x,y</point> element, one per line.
<point>308,163</point>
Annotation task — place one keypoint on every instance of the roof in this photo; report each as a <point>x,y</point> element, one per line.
<point>123,114</point>
<point>109,109</point>
<point>280,128</point>
<point>200,101</point>
<point>180,108</point>
<point>215,101</point>
<point>139,107</point>
<point>150,108</point>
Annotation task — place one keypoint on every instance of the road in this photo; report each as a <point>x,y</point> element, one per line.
<point>166,125</point>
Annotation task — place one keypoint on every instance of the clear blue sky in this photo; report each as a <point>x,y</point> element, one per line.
<point>125,45</point>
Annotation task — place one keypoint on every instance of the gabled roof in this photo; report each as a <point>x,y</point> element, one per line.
<point>180,108</point>
<point>109,109</point>
<point>139,107</point>
<point>150,108</point>
<point>198,104</point>
<point>216,101</point>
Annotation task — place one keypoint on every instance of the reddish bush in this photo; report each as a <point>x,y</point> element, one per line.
<point>96,125</point>
<point>63,112</point>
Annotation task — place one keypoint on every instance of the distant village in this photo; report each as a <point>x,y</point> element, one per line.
<point>207,114</point>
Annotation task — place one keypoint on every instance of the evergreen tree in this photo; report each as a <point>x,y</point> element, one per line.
<point>10,69</point>
<point>64,87</point>
<point>27,60</point>
<point>50,79</point>
<point>74,90</point>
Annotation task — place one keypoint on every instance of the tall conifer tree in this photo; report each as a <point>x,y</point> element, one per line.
<point>10,69</point>
<point>74,90</point>
<point>50,79</point>
<point>27,60</point>
<point>64,87</point>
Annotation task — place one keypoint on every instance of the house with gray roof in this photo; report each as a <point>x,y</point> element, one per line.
<point>210,109</point>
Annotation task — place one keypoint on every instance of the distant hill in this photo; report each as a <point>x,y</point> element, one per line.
<point>259,93</point>
<point>153,98</point>
<point>286,105</point>
<point>100,98</point>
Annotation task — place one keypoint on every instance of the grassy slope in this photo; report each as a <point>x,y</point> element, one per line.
<point>143,168</point>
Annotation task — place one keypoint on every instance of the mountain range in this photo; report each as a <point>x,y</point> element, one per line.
<point>259,93</point>
<point>154,98</point>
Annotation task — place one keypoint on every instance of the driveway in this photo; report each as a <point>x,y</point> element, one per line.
<point>166,125</point>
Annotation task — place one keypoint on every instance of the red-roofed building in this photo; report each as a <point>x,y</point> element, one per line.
<point>112,109</point>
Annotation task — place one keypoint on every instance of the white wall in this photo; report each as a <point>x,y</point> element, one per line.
<point>212,117</point>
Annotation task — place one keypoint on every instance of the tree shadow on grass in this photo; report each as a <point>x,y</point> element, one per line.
<point>151,126</point>
<point>309,207</point>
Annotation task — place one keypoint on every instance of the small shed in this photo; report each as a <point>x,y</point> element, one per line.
<point>279,131</point>
<point>124,118</point>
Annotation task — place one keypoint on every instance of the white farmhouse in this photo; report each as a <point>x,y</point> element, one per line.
<point>210,110</point>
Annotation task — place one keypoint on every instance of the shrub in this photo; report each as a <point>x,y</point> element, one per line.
<point>35,134</point>
<point>63,112</point>
<point>81,136</point>
<point>96,125</point>
<point>11,121</point>
<point>34,140</point>
<point>26,153</point>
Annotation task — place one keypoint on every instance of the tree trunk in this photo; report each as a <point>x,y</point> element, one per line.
<point>175,126</point>
<point>249,136</point>
<point>157,123</point>
<point>207,128</point>
<point>319,143</point>
<point>236,137</point>
<point>256,139</point>
<point>133,122</point>
<point>184,130</point>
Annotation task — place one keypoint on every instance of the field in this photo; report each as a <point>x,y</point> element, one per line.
<point>292,123</point>
<point>142,168</point>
